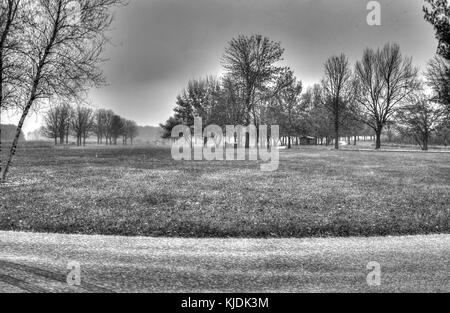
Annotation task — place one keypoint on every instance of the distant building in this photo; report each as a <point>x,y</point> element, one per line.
<point>308,141</point>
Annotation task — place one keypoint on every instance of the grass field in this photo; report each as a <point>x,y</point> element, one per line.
<point>142,191</point>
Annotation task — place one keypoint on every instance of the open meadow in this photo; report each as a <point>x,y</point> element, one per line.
<point>316,192</point>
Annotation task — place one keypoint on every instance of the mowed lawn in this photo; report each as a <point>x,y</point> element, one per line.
<point>142,191</point>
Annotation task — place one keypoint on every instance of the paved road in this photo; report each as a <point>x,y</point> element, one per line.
<point>38,263</point>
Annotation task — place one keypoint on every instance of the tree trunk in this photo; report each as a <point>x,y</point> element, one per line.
<point>378,138</point>
<point>1,156</point>
<point>1,105</point>
<point>425,145</point>
<point>425,141</point>
<point>15,142</point>
<point>289,142</point>
<point>336,125</point>
<point>2,45</point>
<point>247,141</point>
<point>257,136</point>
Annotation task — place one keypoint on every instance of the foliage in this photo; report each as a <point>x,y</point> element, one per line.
<point>438,14</point>
<point>420,119</point>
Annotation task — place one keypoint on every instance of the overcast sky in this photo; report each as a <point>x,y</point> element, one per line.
<point>161,44</point>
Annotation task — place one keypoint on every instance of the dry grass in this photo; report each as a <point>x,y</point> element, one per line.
<point>141,191</point>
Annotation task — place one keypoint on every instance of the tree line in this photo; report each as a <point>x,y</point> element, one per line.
<point>81,122</point>
<point>8,132</point>
<point>382,91</point>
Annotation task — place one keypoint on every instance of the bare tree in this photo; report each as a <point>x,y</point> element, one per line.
<point>51,124</point>
<point>57,122</point>
<point>337,86</point>
<point>130,131</point>
<point>107,126</point>
<point>289,102</point>
<point>64,118</point>
<point>99,127</point>
<point>124,131</point>
<point>116,128</point>
<point>82,124</point>
<point>251,62</point>
<point>319,120</point>
<point>10,26</point>
<point>420,119</point>
<point>63,48</point>
<point>385,79</point>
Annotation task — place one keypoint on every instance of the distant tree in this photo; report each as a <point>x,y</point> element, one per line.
<point>82,124</point>
<point>169,125</point>
<point>107,121</point>
<point>443,131</point>
<point>337,86</point>
<point>57,122</point>
<point>124,131</point>
<point>100,127</point>
<point>320,120</point>
<point>116,128</point>
<point>290,105</point>
<point>64,119</point>
<point>352,120</point>
<point>201,98</point>
<point>51,124</point>
<point>390,126</point>
<point>130,131</point>
<point>384,79</point>
<point>37,134</point>
<point>420,119</point>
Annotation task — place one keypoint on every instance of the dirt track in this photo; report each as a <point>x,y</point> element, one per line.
<point>38,263</point>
